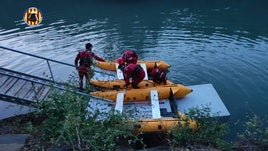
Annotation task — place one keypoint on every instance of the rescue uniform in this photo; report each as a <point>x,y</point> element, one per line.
<point>130,56</point>
<point>135,72</point>
<point>158,76</point>
<point>85,61</point>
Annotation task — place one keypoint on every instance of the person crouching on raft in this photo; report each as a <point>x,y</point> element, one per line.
<point>85,61</point>
<point>158,76</point>
<point>135,72</point>
<point>129,56</point>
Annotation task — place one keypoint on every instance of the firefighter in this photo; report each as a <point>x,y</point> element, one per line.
<point>85,58</point>
<point>134,72</point>
<point>158,76</point>
<point>130,56</point>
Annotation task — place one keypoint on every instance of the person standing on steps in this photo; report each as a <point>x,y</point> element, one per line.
<point>85,60</point>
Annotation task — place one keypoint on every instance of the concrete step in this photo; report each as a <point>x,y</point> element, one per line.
<point>12,142</point>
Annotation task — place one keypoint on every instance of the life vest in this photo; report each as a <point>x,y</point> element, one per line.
<point>158,74</point>
<point>85,58</point>
<point>137,70</point>
<point>133,70</point>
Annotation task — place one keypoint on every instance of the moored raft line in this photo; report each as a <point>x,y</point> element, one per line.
<point>110,65</point>
<point>143,94</point>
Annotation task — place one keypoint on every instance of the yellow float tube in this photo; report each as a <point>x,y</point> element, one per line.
<point>164,124</point>
<point>119,84</point>
<point>143,94</point>
<point>149,64</point>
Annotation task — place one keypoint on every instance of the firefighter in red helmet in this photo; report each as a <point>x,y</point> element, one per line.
<point>130,56</point>
<point>85,61</point>
<point>158,75</point>
<point>135,72</point>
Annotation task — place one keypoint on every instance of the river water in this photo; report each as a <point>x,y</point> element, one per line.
<point>220,42</point>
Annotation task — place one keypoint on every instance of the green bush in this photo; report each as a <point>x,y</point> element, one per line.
<point>210,132</point>
<point>66,122</point>
<point>254,135</point>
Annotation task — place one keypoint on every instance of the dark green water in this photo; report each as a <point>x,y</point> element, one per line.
<point>220,42</point>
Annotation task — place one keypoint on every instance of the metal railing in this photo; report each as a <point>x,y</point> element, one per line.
<point>48,61</point>
<point>34,80</point>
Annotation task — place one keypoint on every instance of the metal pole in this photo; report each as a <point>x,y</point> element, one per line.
<point>50,71</point>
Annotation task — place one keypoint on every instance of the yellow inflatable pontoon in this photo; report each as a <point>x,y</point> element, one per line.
<point>149,65</point>
<point>143,94</point>
<point>119,84</point>
<point>165,124</point>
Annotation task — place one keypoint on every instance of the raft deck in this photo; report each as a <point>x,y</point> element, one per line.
<point>203,95</point>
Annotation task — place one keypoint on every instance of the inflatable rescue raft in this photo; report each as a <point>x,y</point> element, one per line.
<point>119,84</point>
<point>149,65</point>
<point>143,94</point>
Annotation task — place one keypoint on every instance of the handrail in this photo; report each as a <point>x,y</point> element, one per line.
<point>47,60</point>
<point>45,83</point>
<point>27,75</point>
<point>37,56</point>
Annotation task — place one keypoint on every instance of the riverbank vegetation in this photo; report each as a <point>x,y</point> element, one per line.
<point>65,121</point>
